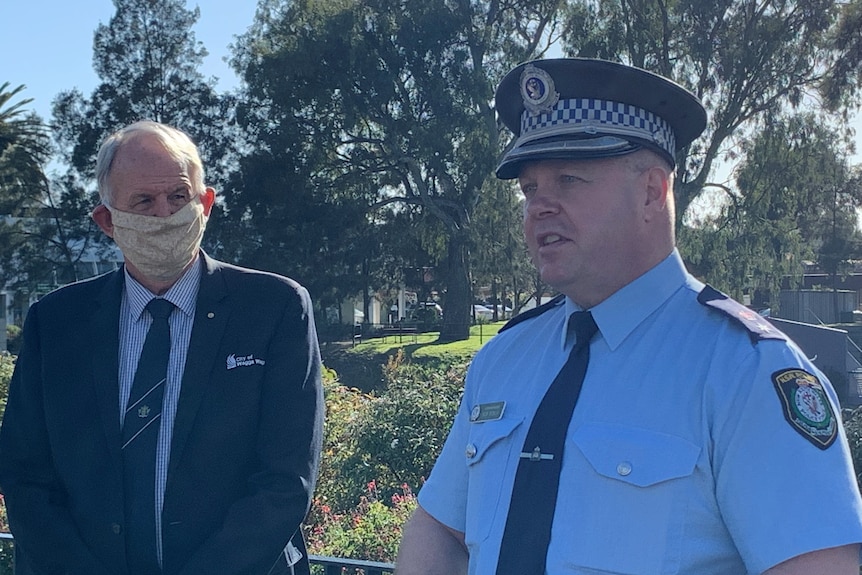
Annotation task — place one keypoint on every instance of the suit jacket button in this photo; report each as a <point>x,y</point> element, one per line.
<point>116,528</point>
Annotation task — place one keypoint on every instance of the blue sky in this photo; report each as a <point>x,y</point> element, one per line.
<point>47,45</point>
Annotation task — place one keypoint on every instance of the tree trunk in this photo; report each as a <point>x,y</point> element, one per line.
<point>456,311</point>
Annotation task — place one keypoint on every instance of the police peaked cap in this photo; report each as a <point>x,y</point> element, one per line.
<point>580,108</point>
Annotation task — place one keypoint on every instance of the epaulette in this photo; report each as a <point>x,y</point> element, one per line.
<point>757,326</point>
<point>533,312</point>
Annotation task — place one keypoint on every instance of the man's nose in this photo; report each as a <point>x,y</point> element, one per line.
<point>163,207</point>
<point>542,202</point>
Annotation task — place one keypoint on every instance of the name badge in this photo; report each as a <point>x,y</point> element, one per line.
<point>487,412</point>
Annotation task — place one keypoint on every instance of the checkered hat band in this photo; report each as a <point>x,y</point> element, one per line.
<point>588,117</point>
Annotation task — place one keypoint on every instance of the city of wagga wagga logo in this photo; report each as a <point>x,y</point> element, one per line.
<point>234,360</point>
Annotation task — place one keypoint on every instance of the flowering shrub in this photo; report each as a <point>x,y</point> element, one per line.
<point>391,439</point>
<point>370,531</point>
<point>377,451</point>
<point>4,525</point>
<point>7,365</point>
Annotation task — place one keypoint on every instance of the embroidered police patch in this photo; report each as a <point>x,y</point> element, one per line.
<point>806,406</point>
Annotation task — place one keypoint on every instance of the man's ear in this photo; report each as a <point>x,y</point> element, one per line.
<point>208,199</point>
<point>102,216</point>
<point>657,188</point>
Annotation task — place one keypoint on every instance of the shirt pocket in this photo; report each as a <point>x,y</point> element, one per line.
<point>488,455</point>
<point>627,513</point>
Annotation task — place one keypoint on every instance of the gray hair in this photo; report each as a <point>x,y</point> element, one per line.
<point>177,143</point>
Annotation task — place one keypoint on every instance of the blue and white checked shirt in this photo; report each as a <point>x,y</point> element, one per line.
<point>134,324</point>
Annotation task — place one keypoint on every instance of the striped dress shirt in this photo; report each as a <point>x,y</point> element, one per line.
<point>134,324</point>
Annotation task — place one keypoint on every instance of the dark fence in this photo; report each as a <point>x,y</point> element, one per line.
<point>337,566</point>
<point>331,565</point>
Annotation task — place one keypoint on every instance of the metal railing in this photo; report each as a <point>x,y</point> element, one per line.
<point>335,565</point>
<point>331,565</point>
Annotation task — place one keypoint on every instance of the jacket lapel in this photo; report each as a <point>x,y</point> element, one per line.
<point>211,318</point>
<point>105,329</point>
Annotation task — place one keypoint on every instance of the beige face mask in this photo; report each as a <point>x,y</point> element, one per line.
<point>160,248</point>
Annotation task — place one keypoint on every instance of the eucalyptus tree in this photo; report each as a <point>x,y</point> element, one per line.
<point>843,79</point>
<point>840,245</point>
<point>147,60</point>
<point>796,200</point>
<point>746,59</point>
<point>389,105</point>
<point>499,251</point>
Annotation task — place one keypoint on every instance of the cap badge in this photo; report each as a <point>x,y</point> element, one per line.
<point>538,90</point>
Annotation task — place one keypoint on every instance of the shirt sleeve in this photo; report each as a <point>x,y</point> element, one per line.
<point>783,488</point>
<point>444,494</point>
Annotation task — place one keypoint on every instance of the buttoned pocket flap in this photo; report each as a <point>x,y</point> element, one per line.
<point>484,435</point>
<point>640,457</point>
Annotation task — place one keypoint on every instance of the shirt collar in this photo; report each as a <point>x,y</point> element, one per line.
<point>621,313</point>
<point>182,294</point>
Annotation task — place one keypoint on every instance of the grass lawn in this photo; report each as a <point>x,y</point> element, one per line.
<point>426,346</point>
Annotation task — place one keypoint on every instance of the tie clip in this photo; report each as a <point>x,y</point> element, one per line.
<point>536,455</point>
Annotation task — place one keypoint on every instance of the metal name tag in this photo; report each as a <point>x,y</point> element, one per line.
<point>487,412</point>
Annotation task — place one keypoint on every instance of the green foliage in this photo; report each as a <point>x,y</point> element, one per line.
<point>391,439</point>
<point>7,366</point>
<point>24,195</point>
<point>500,253</point>
<point>23,150</point>
<point>401,433</point>
<point>839,86</point>
<point>384,105</point>
<point>853,427</point>
<point>343,406</point>
<point>147,60</point>
<point>745,60</point>
<point>6,557</point>
<point>45,236</point>
<point>13,338</point>
<point>797,201</point>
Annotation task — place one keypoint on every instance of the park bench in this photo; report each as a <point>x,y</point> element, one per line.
<point>399,330</point>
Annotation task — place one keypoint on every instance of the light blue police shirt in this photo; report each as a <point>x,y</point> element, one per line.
<point>678,457</point>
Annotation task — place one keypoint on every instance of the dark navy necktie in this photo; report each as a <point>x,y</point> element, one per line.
<point>140,438</point>
<point>525,540</point>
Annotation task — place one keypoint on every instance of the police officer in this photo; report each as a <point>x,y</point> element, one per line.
<point>703,441</point>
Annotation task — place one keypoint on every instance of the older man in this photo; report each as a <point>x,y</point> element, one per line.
<point>164,418</point>
<point>642,422</point>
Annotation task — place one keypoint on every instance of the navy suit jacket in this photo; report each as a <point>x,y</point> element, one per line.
<point>246,440</point>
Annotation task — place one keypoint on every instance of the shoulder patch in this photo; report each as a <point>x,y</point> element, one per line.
<point>806,406</point>
<point>536,311</point>
<point>758,328</point>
